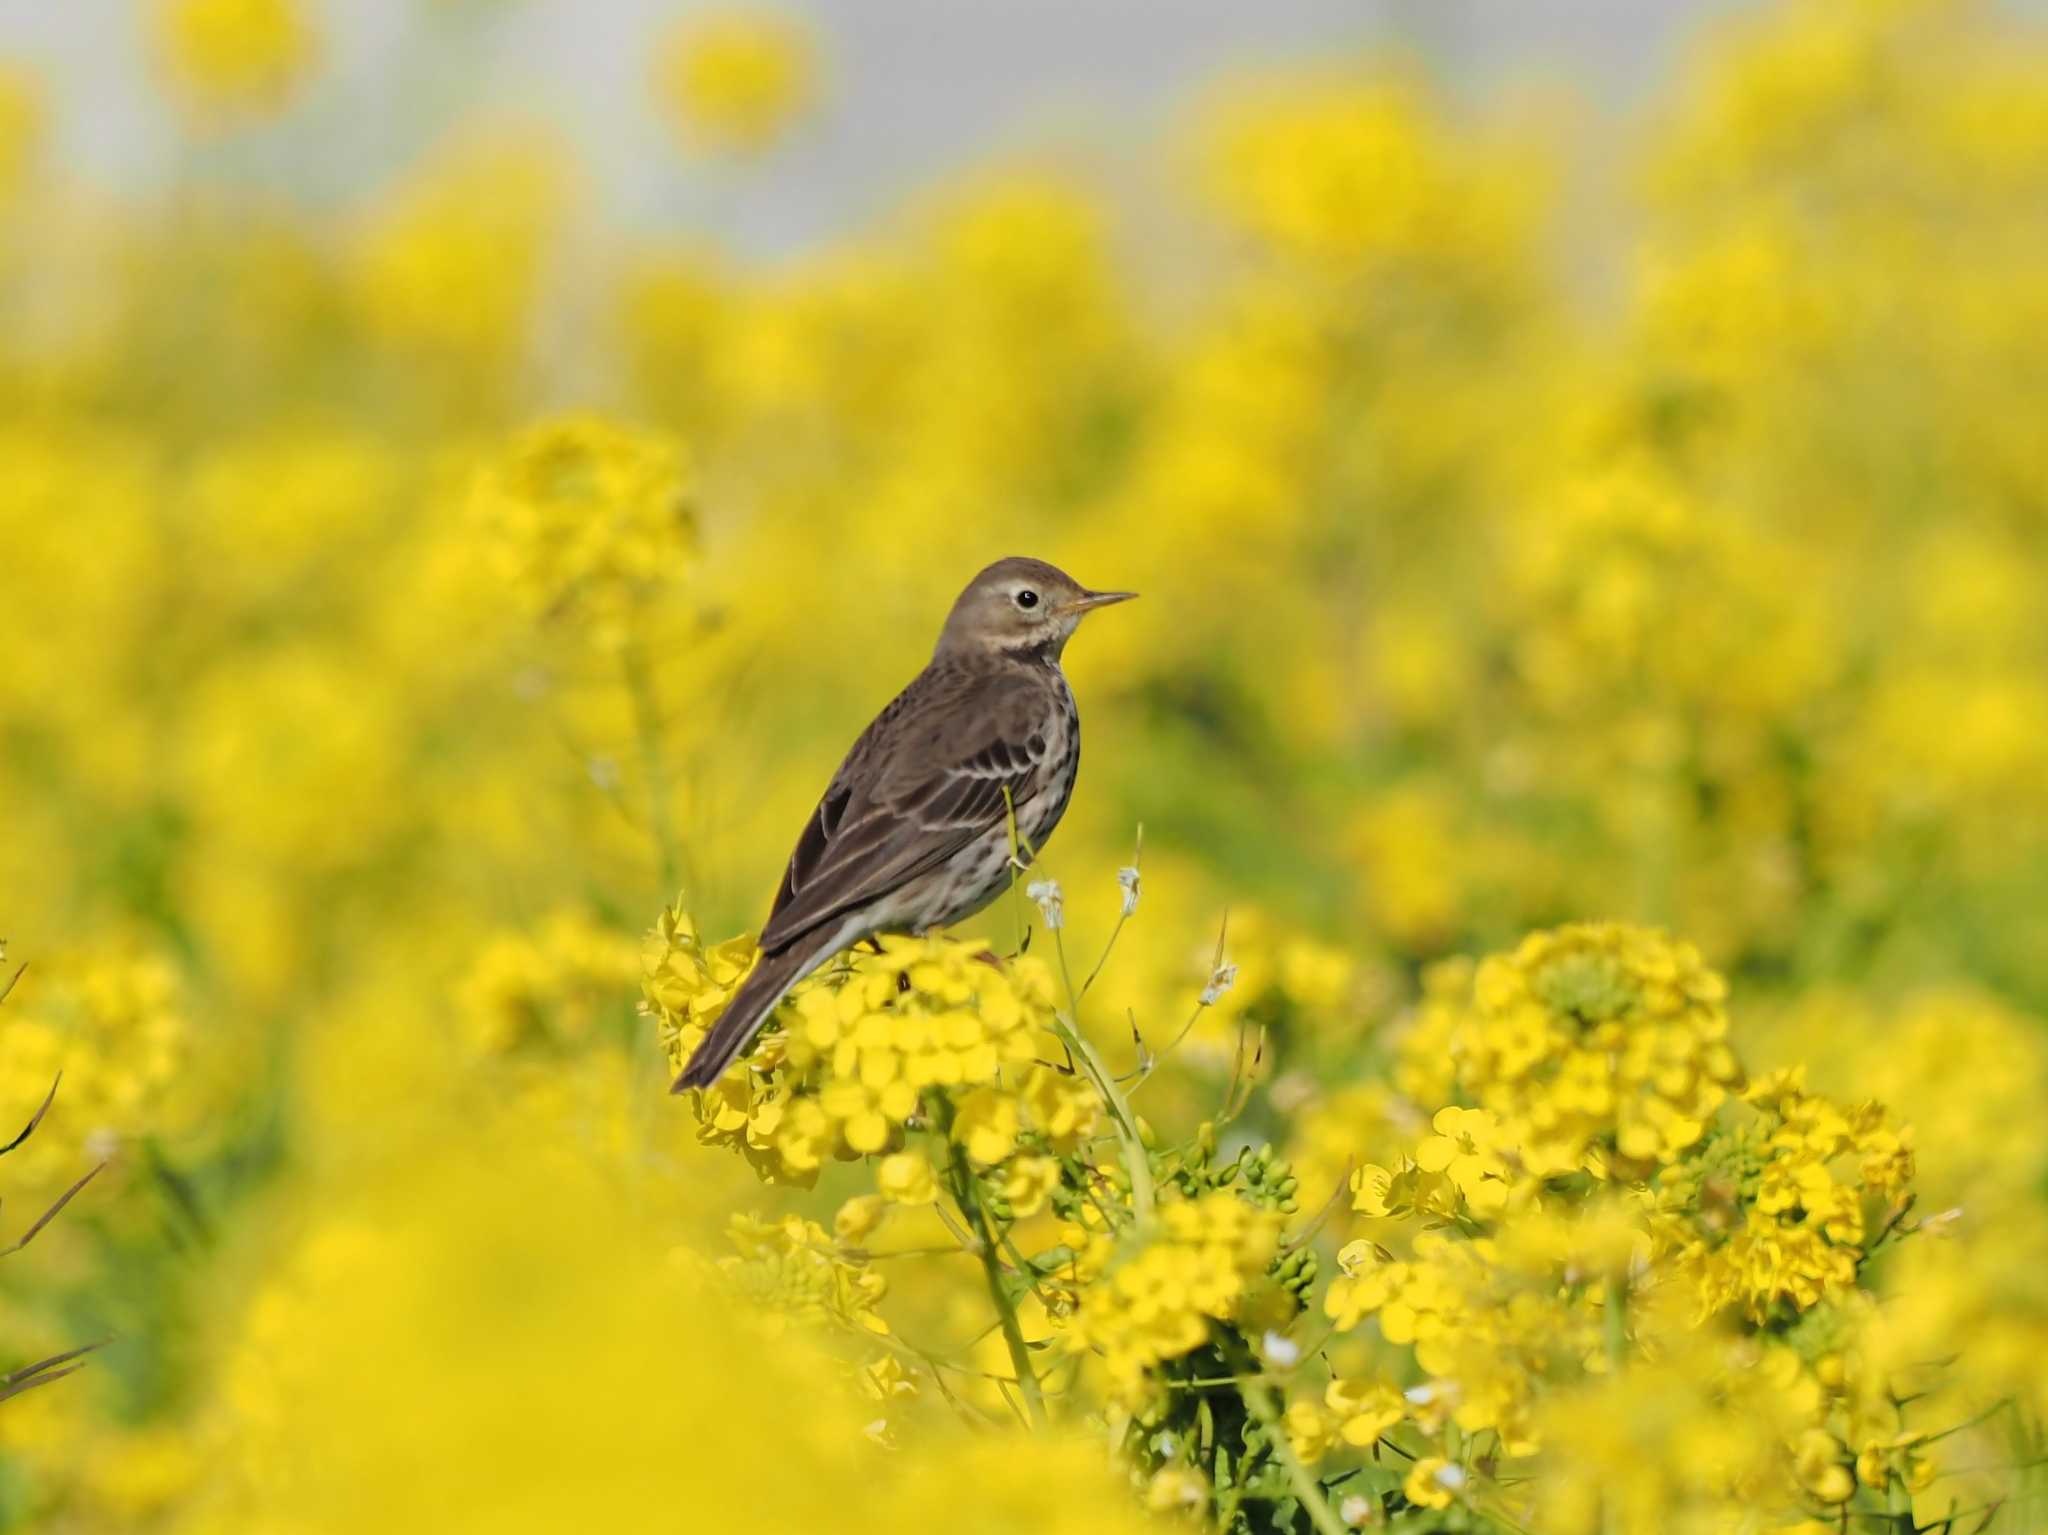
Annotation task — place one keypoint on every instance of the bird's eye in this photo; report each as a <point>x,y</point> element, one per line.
<point>1027,598</point>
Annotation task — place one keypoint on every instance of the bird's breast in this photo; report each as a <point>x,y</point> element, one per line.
<point>1062,766</point>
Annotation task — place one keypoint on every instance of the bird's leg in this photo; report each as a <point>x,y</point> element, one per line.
<point>874,944</point>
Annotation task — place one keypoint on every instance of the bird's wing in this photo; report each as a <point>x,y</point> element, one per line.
<point>924,781</point>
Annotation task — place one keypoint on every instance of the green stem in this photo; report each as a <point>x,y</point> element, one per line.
<point>1617,1323</point>
<point>961,1177</point>
<point>647,730</point>
<point>1260,1401</point>
<point>1136,1162</point>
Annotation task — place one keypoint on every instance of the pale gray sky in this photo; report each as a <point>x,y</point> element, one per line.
<point>917,86</point>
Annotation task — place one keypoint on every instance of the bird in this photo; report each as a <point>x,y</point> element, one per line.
<point>913,832</point>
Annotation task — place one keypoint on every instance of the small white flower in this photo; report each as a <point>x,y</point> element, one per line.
<point>1452,1477</point>
<point>1224,978</point>
<point>1127,877</point>
<point>1165,1445</point>
<point>1355,1510</point>
<point>1284,1352</point>
<point>1421,1396</point>
<point>1051,905</point>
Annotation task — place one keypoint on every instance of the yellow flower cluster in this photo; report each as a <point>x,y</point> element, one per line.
<point>113,1021</point>
<point>1347,172</point>
<point>1696,1439</point>
<point>1486,1335</point>
<point>1672,1336</point>
<point>448,267</point>
<point>795,1268</point>
<point>1965,1067</point>
<point>1777,1212</point>
<point>1979,1286</point>
<point>1204,1266</point>
<point>1595,1042</point>
<point>858,1049</point>
<point>589,523</point>
<point>547,989</point>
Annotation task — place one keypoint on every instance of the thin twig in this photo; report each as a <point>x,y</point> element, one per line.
<point>1122,916</point>
<point>1321,1218</point>
<point>961,1177</point>
<point>1201,1006</point>
<point>937,1250</point>
<point>1260,1401</point>
<point>41,1380</point>
<point>51,1214</point>
<point>48,1098</point>
<point>1969,1423</point>
<point>51,1363</point>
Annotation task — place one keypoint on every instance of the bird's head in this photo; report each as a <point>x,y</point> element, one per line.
<point>1019,606</point>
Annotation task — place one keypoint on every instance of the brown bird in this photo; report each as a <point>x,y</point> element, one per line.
<point>913,832</point>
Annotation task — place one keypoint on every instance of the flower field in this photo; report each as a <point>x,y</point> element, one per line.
<point>1535,1023</point>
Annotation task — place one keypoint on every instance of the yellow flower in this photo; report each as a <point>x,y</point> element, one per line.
<point>1351,171</point>
<point>735,82</point>
<point>547,988</point>
<point>796,1266</point>
<point>1365,1282</point>
<point>1372,1190</point>
<point>986,1123</point>
<point>858,1217</point>
<point>886,1379</point>
<point>1819,1463</point>
<point>1177,1489</point>
<point>234,58</point>
<point>1432,1482</point>
<point>907,1179</point>
<point>1364,1410</point>
<point>1158,1305</point>
<point>1062,1105</point>
<point>1466,1148</point>
<point>1028,1182</point>
<point>1310,1430</point>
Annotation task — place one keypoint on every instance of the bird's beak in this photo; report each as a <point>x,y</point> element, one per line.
<point>1088,601</point>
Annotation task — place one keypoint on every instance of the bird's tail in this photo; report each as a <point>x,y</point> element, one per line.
<point>766,984</point>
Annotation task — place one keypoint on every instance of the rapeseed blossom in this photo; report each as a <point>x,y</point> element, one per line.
<point>859,1051</point>
<point>226,59</point>
<point>589,524</point>
<point>736,81</point>
<point>1204,1267</point>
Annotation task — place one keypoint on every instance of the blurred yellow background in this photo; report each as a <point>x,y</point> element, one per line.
<point>410,583</point>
